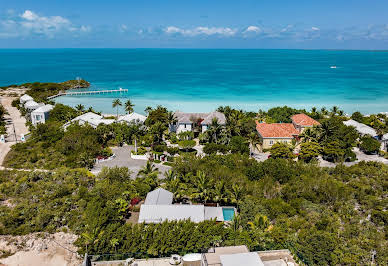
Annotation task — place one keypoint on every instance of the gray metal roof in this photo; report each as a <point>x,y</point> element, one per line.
<point>361,128</point>
<point>246,259</point>
<point>214,213</point>
<point>160,213</point>
<point>159,196</point>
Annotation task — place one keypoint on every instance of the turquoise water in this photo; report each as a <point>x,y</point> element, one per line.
<point>201,80</point>
<point>228,214</point>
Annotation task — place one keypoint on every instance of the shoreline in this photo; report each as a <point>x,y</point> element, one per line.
<point>104,104</point>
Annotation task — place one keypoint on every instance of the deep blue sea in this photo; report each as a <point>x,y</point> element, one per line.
<point>202,80</point>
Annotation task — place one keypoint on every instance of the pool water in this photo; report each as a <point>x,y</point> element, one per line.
<point>228,214</point>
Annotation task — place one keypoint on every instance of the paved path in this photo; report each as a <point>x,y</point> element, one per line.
<point>15,119</point>
<point>123,159</point>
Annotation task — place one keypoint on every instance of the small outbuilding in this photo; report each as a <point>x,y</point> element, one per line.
<point>159,196</point>
<point>41,114</point>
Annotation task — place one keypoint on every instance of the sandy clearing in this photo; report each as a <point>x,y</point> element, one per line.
<point>17,120</point>
<point>40,250</point>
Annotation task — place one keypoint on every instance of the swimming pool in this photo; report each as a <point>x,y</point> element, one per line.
<point>228,214</point>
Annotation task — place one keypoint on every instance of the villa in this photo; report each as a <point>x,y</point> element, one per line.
<point>132,118</point>
<point>283,132</point>
<point>367,130</point>
<point>90,118</point>
<point>159,207</point>
<point>41,114</point>
<point>196,122</point>
<point>362,128</point>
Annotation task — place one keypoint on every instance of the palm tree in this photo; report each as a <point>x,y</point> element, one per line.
<point>149,168</point>
<point>80,108</point>
<point>253,141</point>
<point>260,222</point>
<point>148,109</point>
<point>220,193</point>
<point>202,187</point>
<point>323,111</point>
<point>236,194</point>
<point>129,106</point>
<point>334,110</point>
<point>116,103</point>
<point>171,119</point>
<point>215,128</point>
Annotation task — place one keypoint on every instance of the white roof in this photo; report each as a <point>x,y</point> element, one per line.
<point>43,109</point>
<point>92,119</point>
<point>133,117</point>
<point>160,213</point>
<point>31,104</point>
<point>361,128</point>
<point>88,117</point>
<point>159,196</point>
<point>246,259</point>
<point>26,98</point>
<point>214,213</point>
<point>385,137</point>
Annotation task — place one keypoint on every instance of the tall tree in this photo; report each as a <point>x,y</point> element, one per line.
<point>115,104</point>
<point>129,106</point>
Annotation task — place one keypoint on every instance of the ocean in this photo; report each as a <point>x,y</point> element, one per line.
<point>200,80</point>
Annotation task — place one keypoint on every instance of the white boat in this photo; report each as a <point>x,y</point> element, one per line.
<point>333,67</point>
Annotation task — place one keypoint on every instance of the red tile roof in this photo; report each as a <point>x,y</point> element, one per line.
<point>283,130</point>
<point>304,120</point>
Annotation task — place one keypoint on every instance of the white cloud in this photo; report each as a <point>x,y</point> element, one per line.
<point>30,23</point>
<point>315,29</point>
<point>287,29</point>
<point>253,29</point>
<point>227,32</point>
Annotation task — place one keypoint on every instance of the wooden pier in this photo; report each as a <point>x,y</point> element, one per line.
<point>86,93</point>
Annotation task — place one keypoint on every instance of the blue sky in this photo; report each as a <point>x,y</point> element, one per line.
<point>329,24</point>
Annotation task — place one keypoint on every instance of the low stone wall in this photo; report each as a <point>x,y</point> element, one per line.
<point>139,157</point>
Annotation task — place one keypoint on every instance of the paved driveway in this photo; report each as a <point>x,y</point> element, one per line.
<point>123,159</point>
<point>360,157</point>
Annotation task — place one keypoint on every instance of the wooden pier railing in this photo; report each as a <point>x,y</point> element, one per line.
<point>86,93</point>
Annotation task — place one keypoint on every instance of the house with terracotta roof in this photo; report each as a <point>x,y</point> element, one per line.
<point>283,132</point>
<point>302,121</point>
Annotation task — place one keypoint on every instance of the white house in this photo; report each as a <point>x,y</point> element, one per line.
<point>362,128</point>
<point>25,98</point>
<point>158,207</point>
<point>90,118</point>
<point>41,114</point>
<point>133,118</point>
<point>191,121</point>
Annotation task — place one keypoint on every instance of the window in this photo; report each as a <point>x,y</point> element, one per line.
<point>185,125</point>
<point>271,142</point>
<point>37,117</point>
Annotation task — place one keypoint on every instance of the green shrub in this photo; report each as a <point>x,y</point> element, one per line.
<point>159,148</point>
<point>173,150</point>
<point>186,144</point>
<point>369,145</point>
